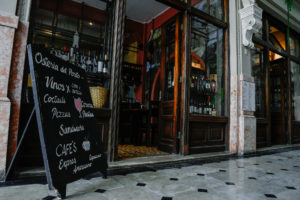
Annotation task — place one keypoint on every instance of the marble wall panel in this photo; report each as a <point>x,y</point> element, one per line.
<point>15,83</point>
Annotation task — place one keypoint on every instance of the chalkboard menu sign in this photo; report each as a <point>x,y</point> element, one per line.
<point>70,140</point>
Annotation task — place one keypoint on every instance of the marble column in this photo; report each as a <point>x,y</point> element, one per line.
<point>16,74</point>
<point>8,24</point>
<point>15,84</point>
<point>244,19</point>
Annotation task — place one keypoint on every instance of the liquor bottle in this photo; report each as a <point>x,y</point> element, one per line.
<point>105,70</point>
<point>196,81</point>
<point>200,108</point>
<point>199,82</point>
<point>214,112</point>
<point>191,106</point>
<point>207,87</point>
<point>204,111</point>
<point>203,83</point>
<point>95,64</point>
<point>213,85</point>
<point>173,78</point>
<point>77,58</point>
<point>209,108</point>
<point>170,79</point>
<point>72,60</point>
<point>196,110</point>
<point>89,62</point>
<point>83,65</point>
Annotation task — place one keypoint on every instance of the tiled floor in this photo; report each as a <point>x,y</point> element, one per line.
<point>268,177</point>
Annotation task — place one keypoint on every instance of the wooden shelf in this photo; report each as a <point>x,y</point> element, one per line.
<point>208,118</point>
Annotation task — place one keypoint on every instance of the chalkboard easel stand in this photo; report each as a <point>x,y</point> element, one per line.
<point>10,171</point>
<point>61,190</point>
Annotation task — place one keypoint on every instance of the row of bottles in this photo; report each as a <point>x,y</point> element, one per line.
<point>88,62</point>
<point>202,107</point>
<point>199,82</point>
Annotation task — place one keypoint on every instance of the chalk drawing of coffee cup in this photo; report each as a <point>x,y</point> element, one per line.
<point>86,145</point>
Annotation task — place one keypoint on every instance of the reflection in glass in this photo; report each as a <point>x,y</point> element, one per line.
<point>258,73</point>
<point>211,7</point>
<point>206,79</point>
<point>294,47</point>
<point>295,90</point>
<point>277,38</point>
<point>170,61</point>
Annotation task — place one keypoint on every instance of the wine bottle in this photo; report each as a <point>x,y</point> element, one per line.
<point>199,108</point>
<point>89,62</point>
<point>191,106</point>
<point>105,70</point>
<point>95,64</point>
<point>196,107</point>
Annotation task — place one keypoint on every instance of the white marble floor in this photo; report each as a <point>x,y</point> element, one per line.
<point>275,176</point>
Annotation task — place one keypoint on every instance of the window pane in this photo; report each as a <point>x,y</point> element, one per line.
<point>258,73</point>
<point>200,5</point>
<point>277,38</point>
<point>295,90</point>
<point>211,7</point>
<point>170,61</point>
<point>206,81</point>
<point>294,47</point>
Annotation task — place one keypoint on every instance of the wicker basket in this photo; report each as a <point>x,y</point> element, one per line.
<point>98,95</point>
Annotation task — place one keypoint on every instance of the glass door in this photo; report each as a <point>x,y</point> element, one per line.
<point>170,69</point>
<point>278,101</point>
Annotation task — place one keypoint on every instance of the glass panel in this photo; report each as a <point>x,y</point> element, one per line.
<point>67,23</point>
<point>200,5</point>
<point>88,53</point>
<point>170,61</point>
<point>295,90</point>
<point>294,46</point>
<point>216,8</point>
<point>207,74</point>
<point>211,7</point>
<point>277,38</point>
<point>258,72</point>
<point>274,56</point>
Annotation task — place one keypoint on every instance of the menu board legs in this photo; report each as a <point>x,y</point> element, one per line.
<point>61,191</point>
<point>14,159</point>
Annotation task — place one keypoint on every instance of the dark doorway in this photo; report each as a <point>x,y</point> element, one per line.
<point>278,91</point>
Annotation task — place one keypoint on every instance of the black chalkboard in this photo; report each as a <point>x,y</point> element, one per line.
<point>70,140</point>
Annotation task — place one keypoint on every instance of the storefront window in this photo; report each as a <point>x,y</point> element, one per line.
<point>295,90</point>
<point>211,7</point>
<point>258,72</point>
<point>207,69</point>
<point>294,47</point>
<point>76,39</point>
